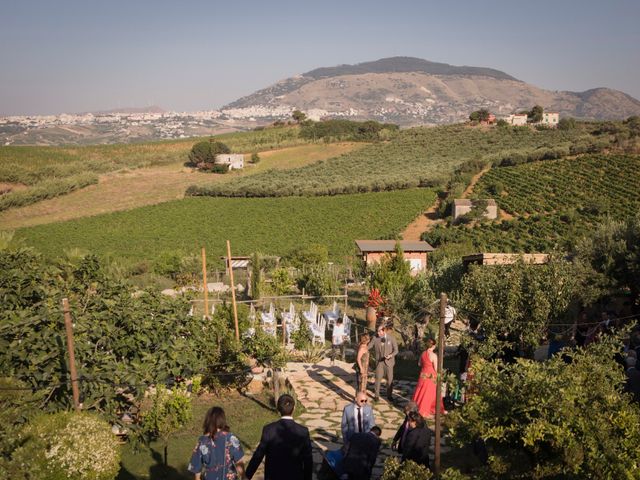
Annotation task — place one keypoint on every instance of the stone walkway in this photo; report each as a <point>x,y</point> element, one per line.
<point>324,390</point>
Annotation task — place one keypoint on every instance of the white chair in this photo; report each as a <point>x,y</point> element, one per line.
<point>311,314</point>
<point>346,322</point>
<point>318,329</point>
<point>332,315</point>
<point>268,320</point>
<point>191,311</point>
<point>289,315</point>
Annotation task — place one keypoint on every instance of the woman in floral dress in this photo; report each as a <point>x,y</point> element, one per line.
<point>218,454</point>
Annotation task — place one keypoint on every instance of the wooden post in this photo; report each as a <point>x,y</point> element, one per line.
<point>204,283</point>
<point>443,306</point>
<point>233,292</point>
<point>346,296</point>
<point>72,356</point>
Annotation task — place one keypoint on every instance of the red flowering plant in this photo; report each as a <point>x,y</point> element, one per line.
<point>377,301</point>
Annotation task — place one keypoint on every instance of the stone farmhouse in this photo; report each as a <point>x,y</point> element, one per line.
<point>415,252</point>
<point>462,206</point>
<point>234,161</point>
<point>516,119</point>
<point>550,119</point>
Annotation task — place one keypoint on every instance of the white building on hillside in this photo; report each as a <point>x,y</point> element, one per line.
<point>550,119</point>
<point>234,161</point>
<point>516,119</point>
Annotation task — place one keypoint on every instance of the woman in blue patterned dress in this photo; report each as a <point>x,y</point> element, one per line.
<point>218,454</point>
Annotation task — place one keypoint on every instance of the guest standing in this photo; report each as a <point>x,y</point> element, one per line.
<point>337,341</point>
<point>418,441</point>
<point>385,349</point>
<point>425,394</point>
<point>362,364</point>
<point>357,417</point>
<point>218,452</point>
<point>286,446</point>
<point>361,453</point>
<point>401,434</point>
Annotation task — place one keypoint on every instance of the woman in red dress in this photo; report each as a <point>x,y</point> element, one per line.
<point>425,394</point>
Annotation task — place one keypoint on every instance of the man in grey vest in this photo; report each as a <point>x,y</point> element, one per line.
<point>385,348</point>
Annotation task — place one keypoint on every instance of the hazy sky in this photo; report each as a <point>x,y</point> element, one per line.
<point>71,56</point>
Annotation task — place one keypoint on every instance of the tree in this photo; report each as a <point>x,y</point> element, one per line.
<point>567,123</point>
<point>203,153</point>
<point>298,116</point>
<point>563,418</point>
<point>516,303</point>
<point>481,115</point>
<point>609,259</point>
<point>535,114</point>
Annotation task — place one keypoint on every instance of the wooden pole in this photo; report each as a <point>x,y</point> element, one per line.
<point>204,283</point>
<point>443,305</point>
<point>72,356</point>
<point>346,296</point>
<point>233,292</point>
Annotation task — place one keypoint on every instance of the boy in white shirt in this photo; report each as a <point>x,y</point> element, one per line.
<point>337,340</point>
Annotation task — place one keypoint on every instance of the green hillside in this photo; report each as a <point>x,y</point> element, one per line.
<point>47,172</point>
<point>269,225</point>
<point>554,202</point>
<point>415,157</point>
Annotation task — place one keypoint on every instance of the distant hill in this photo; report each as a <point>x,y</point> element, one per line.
<point>412,91</point>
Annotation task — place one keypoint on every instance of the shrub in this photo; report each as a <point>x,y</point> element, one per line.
<point>407,470</point>
<point>164,413</point>
<point>302,337</point>
<point>255,158</point>
<point>69,446</point>
<point>564,418</point>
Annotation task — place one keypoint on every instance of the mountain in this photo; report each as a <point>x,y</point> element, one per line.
<point>410,91</point>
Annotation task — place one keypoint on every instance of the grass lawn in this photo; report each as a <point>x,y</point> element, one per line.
<point>245,416</point>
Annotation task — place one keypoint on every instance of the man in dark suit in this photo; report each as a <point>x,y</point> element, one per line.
<point>401,434</point>
<point>418,440</point>
<point>385,348</point>
<point>357,417</point>
<point>286,446</point>
<point>361,454</point>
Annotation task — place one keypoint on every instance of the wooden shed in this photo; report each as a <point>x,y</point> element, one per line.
<point>415,252</point>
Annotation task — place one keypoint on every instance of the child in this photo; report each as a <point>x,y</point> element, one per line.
<point>337,341</point>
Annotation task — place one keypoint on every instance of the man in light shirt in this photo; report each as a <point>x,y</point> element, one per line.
<point>357,417</point>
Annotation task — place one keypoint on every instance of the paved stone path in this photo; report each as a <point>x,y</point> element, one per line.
<point>324,390</point>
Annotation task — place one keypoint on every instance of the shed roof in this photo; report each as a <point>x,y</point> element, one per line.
<point>390,245</point>
<point>505,258</point>
<point>466,202</point>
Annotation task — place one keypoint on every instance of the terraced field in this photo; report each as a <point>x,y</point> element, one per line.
<point>415,157</point>
<point>268,225</point>
<point>555,203</point>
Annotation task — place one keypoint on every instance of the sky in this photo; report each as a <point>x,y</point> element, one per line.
<point>63,56</point>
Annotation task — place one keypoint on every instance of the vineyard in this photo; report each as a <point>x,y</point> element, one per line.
<point>555,202</point>
<point>47,172</point>
<point>270,225</point>
<point>415,157</point>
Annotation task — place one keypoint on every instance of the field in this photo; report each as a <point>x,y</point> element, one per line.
<point>415,157</point>
<point>555,203</point>
<point>268,225</point>
<point>127,189</point>
<point>48,172</point>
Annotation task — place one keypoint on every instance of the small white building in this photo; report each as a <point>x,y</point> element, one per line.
<point>550,119</point>
<point>516,119</point>
<point>462,206</point>
<point>234,161</point>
